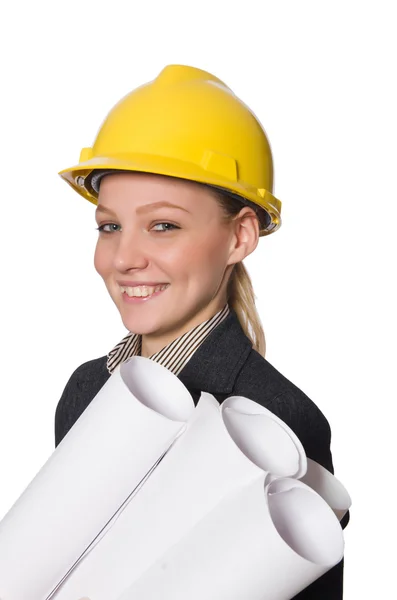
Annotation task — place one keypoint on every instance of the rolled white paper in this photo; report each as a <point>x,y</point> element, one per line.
<point>259,544</point>
<point>328,487</point>
<point>257,444</point>
<point>204,465</point>
<point>256,439</point>
<point>118,439</point>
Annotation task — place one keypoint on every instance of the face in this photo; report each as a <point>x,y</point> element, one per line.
<point>164,251</point>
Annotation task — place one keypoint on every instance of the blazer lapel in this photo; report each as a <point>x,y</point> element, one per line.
<point>215,365</point>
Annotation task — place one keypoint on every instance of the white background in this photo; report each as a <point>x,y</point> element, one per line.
<point>321,77</point>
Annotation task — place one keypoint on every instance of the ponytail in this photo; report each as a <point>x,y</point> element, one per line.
<point>241,299</point>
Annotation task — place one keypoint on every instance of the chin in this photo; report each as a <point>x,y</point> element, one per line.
<point>156,318</point>
<point>140,325</point>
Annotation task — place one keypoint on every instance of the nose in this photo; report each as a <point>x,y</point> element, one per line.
<point>130,253</point>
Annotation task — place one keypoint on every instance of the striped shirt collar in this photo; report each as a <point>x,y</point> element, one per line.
<point>176,354</point>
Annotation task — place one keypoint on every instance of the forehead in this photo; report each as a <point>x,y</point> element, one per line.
<point>138,180</point>
<point>142,188</point>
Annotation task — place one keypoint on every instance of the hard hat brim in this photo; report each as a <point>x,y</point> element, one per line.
<point>75,176</point>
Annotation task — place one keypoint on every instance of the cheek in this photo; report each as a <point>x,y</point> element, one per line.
<point>204,257</point>
<point>101,259</point>
<point>212,249</point>
<point>173,257</point>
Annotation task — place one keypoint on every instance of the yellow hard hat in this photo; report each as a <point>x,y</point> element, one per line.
<point>186,123</point>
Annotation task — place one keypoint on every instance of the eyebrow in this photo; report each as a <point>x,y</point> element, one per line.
<point>143,209</point>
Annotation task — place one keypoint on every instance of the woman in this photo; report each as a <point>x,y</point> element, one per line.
<point>182,175</point>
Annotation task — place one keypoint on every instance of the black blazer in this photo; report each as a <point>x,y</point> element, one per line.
<point>225,365</point>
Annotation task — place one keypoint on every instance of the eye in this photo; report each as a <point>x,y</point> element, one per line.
<point>167,226</point>
<point>102,229</point>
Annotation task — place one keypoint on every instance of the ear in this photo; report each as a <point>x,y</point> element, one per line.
<point>245,235</point>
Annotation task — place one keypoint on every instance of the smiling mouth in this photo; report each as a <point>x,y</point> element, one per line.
<point>142,291</point>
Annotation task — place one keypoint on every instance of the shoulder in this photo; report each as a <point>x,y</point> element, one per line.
<point>89,372</point>
<point>81,387</point>
<point>262,382</point>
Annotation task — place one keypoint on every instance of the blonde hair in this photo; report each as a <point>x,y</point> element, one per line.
<point>241,298</point>
<point>240,291</point>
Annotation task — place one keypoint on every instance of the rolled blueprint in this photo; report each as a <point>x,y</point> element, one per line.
<point>259,543</point>
<point>101,462</point>
<point>328,486</point>
<point>221,450</point>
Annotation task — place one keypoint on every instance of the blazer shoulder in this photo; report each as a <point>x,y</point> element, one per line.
<point>260,381</point>
<point>91,369</point>
<point>81,387</point>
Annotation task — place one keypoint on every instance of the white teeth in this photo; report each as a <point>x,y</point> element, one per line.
<point>142,290</point>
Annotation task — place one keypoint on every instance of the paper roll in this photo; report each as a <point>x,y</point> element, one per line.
<point>116,442</point>
<point>257,441</point>
<point>261,544</point>
<point>204,465</point>
<point>328,487</point>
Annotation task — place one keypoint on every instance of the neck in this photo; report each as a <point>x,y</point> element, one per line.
<point>154,342</point>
